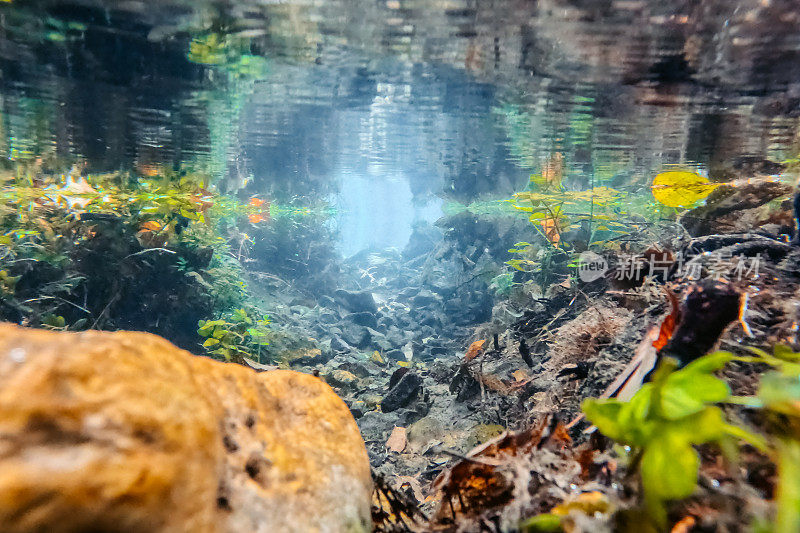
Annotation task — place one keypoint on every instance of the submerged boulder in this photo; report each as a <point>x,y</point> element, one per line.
<point>357,301</point>
<point>124,432</point>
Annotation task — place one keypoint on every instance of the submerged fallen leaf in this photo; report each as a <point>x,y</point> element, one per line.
<point>474,350</point>
<point>561,435</point>
<point>520,375</point>
<point>480,480</point>
<point>493,383</point>
<point>416,487</point>
<point>152,225</point>
<point>681,188</point>
<point>397,440</point>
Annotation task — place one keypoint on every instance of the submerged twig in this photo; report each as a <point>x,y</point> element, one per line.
<point>59,299</point>
<point>149,250</point>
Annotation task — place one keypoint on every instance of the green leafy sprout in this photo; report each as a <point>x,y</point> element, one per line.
<point>665,419</point>
<point>235,336</point>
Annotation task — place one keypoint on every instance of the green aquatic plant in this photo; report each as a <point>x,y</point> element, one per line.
<point>667,417</point>
<point>54,322</point>
<point>779,397</point>
<point>546,264</point>
<point>7,283</point>
<point>554,211</point>
<point>663,422</point>
<point>502,284</point>
<point>47,222</point>
<point>236,336</point>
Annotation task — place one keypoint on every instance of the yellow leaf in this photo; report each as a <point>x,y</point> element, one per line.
<point>681,188</point>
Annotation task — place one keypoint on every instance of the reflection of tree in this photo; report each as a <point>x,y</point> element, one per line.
<point>619,94</point>
<point>27,127</point>
<point>232,73</point>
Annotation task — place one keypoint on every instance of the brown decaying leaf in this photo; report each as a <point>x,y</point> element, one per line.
<point>644,360</point>
<point>630,379</point>
<point>493,383</point>
<point>480,481</point>
<point>520,375</point>
<point>561,435</point>
<point>585,458</point>
<point>397,441</point>
<point>669,323</point>
<point>414,483</point>
<point>474,350</point>
<point>684,525</point>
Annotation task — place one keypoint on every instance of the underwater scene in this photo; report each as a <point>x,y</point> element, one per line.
<point>399,266</point>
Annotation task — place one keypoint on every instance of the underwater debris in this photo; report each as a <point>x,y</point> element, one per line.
<point>525,352</point>
<point>392,512</point>
<point>397,441</point>
<point>498,483</point>
<point>475,349</point>
<point>690,330</point>
<point>707,309</point>
<point>745,208</point>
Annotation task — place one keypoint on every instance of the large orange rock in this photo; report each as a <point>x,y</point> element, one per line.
<point>124,432</point>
